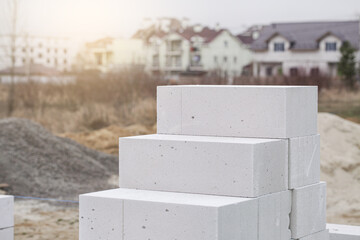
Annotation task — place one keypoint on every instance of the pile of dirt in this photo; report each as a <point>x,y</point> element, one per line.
<point>340,167</point>
<point>33,162</point>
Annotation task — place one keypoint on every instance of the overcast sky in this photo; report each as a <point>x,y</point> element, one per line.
<point>120,18</point>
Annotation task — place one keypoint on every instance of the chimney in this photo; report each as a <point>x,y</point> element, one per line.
<point>217,27</point>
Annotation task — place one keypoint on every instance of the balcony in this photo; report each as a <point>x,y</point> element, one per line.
<point>174,52</point>
<point>196,67</point>
<point>173,67</point>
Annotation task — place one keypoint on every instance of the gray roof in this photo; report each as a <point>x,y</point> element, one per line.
<point>305,35</point>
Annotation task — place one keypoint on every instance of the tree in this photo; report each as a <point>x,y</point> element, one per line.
<point>347,64</point>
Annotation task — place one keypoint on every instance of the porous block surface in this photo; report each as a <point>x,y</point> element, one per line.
<point>304,161</point>
<point>308,210</point>
<point>129,214</point>
<point>7,233</point>
<point>343,232</point>
<point>323,235</point>
<point>274,221</point>
<point>6,211</point>
<point>240,111</point>
<point>241,167</point>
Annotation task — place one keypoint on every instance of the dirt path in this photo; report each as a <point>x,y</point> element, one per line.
<point>40,221</point>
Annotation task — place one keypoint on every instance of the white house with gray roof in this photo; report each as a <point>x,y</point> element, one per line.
<point>308,48</point>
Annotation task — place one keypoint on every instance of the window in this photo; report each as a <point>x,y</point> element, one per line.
<point>226,44</point>
<point>215,59</point>
<point>269,71</point>
<point>330,46</point>
<point>48,50</point>
<point>48,60</point>
<point>235,59</point>
<point>65,61</point>
<point>65,50</point>
<point>24,60</point>
<point>40,55</point>
<point>293,72</point>
<point>279,47</point>
<point>24,49</point>
<point>314,72</point>
<point>225,59</point>
<point>40,45</point>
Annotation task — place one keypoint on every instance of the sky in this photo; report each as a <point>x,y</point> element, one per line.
<point>91,19</point>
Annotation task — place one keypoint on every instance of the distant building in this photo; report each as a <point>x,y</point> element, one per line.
<point>111,54</point>
<point>51,52</point>
<point>175,47</point>
<point>304,48</point>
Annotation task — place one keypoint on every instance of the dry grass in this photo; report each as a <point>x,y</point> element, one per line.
<point>94,102</point>
<point>88,104</point>
<point>341,102</point>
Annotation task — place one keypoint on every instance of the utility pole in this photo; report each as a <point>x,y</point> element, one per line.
<point>13,36</point>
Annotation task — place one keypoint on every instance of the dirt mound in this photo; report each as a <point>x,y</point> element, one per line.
<point>36,163</point>
<point>340,167</point>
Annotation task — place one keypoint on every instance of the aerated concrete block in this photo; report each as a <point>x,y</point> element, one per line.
<point>238,111</point>
<point>343,232</point>
<point>304,161</point>
<point>323,235</point>
<point>6,211</point>
<point>7,233</point>
<point>274,221</point>
<point>127,214</point>
<point>308,210</point>
<point>241,167</point>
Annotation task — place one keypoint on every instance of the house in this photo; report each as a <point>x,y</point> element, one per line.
<point>183,49</point>
<point>304,48</point>
<point>111,54</point>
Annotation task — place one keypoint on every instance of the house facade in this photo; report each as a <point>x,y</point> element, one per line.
<point>307,49</point>
<point>194,50</point>
<point>111,54</point>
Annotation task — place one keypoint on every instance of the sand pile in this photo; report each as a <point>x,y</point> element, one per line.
<point>33,162</point>
<point>340,167</point>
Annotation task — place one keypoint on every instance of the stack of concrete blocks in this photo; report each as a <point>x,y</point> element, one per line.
<point>227,163</point>
<point>6,217</point>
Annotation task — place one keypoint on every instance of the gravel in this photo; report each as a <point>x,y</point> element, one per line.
<point>36,163</point>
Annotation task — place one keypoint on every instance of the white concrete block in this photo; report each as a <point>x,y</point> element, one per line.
<point>308,210</point>
<point>304,161</point>
<point>343,232</point>
<point>168,114</point>
<point>274,221</point>
<point>239,111</point>
<point>241,167</point>
<point>7,233</point>
<point>323,235</point>
<point>6,211</point>
<point>127,214</point>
